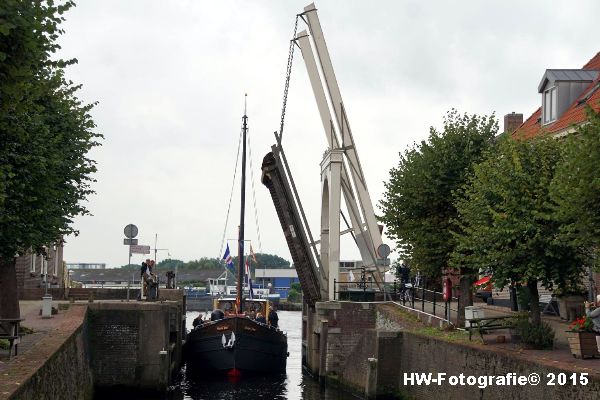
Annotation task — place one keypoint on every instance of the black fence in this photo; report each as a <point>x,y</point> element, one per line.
<point>410,294</point>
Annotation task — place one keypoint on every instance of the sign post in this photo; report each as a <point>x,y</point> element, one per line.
<point>139,249</point>
<point>130,232</point>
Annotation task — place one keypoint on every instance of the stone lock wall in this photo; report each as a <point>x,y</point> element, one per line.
<point>65,375</point>
<point>126,341</point>
<point>357,332</point>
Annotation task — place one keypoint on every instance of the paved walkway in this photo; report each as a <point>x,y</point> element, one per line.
<point>559,357</point>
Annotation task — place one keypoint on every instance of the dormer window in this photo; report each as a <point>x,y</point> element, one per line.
<point>560,88</point>
<point>549,105</point>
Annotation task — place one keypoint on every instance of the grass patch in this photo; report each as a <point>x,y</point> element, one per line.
<point>4,344</point>
<point>449,335</point>
<point>23,330</point>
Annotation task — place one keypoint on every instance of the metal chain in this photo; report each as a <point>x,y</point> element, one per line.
<point>288,74</point>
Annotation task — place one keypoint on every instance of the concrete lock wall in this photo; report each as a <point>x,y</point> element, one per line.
<point>367,351</point>
<point>132,345</point>
<point>106,348</point>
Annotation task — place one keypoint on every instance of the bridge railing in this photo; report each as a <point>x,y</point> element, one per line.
<point>407,294</point>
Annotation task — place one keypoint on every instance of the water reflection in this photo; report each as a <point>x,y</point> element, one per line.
<point>294,385</point>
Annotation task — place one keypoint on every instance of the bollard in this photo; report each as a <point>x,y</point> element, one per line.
<point>47,306</point>
<point>371,379</point>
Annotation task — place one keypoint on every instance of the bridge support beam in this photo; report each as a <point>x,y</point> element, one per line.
<point>331,183</point>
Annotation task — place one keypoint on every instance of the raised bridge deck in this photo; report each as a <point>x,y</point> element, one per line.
<point>297,235</point>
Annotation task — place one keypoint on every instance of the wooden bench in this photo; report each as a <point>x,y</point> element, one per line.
<point>10,330</point>
<point>487,324</point>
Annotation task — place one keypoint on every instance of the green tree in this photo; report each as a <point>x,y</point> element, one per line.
<point>204,263</point>
<point>506,224</point>
<point>46,133</point>
<point>417,206</point>
<point>169,264</point>
<point>266,261</point>
<point>575,190</point>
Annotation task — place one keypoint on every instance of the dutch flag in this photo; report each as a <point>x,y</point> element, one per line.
<point>249,280</point>
<point>228,259</point>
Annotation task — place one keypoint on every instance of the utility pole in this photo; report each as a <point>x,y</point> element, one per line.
<point>155,249</point>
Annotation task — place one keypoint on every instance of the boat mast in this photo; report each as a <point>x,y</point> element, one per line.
<point>240,280</point>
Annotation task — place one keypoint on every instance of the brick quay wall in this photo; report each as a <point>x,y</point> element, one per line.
<point>368,347</point>
<point>99,349</point>
<point>56,367</point>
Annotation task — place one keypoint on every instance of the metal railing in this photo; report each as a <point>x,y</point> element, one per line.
<point>407,294</point>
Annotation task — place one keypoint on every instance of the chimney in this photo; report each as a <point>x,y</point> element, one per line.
<point>512,121</point>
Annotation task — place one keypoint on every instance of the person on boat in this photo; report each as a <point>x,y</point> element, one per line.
<point>198,321</point>
<point>273,317</point>
<point>217,315</point>
<point>260,318</point>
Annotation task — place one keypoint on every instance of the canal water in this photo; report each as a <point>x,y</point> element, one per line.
<point>294,385</point>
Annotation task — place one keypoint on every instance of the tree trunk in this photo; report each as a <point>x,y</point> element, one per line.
<point>9,298</point>
<point>465,299</point>
<point>534,302</point>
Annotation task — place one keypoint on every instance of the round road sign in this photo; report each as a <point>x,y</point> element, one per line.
<point>383,250</point>
<point>130,231</point>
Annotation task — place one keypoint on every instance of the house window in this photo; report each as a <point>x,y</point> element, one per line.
<point>549,105</point>
<point>33,259</point>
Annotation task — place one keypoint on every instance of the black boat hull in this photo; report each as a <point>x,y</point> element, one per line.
<point>257,348</point>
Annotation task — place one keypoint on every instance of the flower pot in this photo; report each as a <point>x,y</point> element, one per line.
<point>583,344</point>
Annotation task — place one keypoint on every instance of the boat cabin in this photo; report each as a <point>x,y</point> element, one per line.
<point>251,306</point>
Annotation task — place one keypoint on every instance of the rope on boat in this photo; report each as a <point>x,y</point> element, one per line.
<point>230,197</point>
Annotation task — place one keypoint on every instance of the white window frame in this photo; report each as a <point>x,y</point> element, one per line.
<point>33,260</point>
<point>56,261</point>
<point>552,95</point>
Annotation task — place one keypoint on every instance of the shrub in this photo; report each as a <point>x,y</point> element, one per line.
<point>538,336</point>
<point>294,296</point>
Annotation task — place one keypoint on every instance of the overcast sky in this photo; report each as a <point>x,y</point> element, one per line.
<point>170,78</point>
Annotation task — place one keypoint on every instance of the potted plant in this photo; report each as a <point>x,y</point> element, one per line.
<point>582,338</point>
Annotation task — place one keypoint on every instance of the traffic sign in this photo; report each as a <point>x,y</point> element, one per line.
<point>130,231</point>
<point>130,241</point>
<point>383,250</point>
<point>139,249</point>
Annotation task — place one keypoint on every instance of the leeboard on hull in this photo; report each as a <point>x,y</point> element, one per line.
<point>236,342</point>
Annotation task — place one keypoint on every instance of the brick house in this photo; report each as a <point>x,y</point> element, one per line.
<point>34,269</point>
<point>565,93</point>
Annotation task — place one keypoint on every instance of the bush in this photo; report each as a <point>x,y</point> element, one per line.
<point>538,336</point>
<point>294,296</point>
